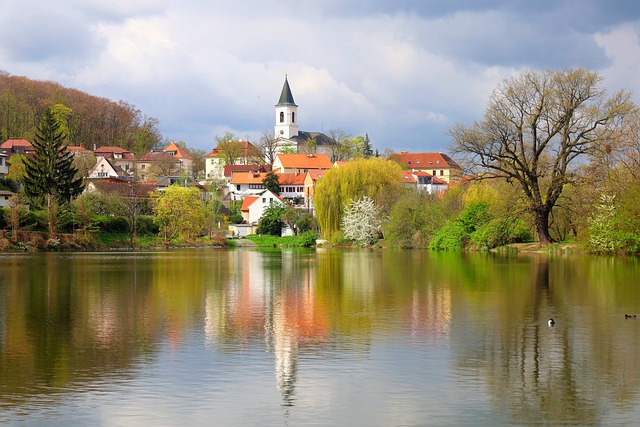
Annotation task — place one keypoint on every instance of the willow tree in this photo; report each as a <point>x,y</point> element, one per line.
<point>536,127</point>
<point>375,178</point>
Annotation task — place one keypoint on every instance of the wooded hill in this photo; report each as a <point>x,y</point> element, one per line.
<point>88,120</point>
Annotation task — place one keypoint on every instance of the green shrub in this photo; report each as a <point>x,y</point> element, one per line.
<point>36,220</point>
<point>147,224</point>
<point>451,237</point>
<point>307,239</point>
<point>501,231</point>
<point>111,224</point>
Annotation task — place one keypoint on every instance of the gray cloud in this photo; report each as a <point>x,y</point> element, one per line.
<point>403,72</point>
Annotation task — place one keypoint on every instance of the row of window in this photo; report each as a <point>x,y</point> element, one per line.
<point>293,117</point>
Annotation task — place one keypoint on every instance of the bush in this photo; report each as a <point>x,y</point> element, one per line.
<point>307,239</point>
<point>451,237</point>
<point>147,225</point>
<point>499,232</point>
<point>111,224</point>
<point>5,244</point>
<point>36,220</point>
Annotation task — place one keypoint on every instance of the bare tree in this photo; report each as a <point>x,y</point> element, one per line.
<point>269,147</point>
<point>536,125</point>
<point>341,147</point>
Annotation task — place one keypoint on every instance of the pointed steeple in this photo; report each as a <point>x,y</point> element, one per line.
<point>286,97</point>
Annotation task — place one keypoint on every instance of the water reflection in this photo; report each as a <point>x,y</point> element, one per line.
<point>405,326</point>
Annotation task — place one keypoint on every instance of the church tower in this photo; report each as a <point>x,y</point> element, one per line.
<point>286,114</point>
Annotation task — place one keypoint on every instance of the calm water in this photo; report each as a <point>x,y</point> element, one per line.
<point>326,338</point>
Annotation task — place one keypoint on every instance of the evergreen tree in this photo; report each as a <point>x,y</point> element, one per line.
<point>50,175</point>
<point>272,183</point>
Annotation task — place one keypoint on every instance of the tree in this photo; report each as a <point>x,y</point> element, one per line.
<point>268,146</point>
<point>270,221</point>
<point>230,149</point>
<point>535,127</point>
<point>341,147</point>
<point>50,175</point>
<point>376,178</point>
<point>360,221</point>
<point>413,220</point>
<point>272,183</point>
<point>180,212</point>
<point>299,220</point>
<point>362,146</point>
<point>17,170</point>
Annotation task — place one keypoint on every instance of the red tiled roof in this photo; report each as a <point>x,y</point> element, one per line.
<point>248,177</point>
<point>231,169</point>
<point>291,178</point>
<point>316,174</point>
<point>305,161</point>
<point>247,201</point>
<point>16,142</point>
<point>180,153</point>
<point>424,160</point>
<point>157,156</point>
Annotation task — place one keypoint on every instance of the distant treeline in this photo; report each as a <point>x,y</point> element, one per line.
<point>89,120</point>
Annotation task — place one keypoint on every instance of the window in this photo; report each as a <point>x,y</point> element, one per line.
<point>281,117</point>
<point>434,173</point>
<point>441,172</point>
<point>264,200</point>
<point>293,117</point>
<point>255,186</point>
<point>300,189</point>
<point>143,166</point>
<point>213,162</point>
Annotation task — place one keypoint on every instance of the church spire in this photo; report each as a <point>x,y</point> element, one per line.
<point>286,97</point>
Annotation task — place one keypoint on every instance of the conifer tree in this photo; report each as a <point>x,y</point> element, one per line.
<point>49,175</point>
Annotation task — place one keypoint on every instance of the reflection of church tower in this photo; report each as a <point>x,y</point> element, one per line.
<point>286,115</point>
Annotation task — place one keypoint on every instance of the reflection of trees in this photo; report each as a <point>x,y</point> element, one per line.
<point>562,374</point>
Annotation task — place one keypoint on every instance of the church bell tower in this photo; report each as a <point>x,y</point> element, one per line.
<point>286,114</point>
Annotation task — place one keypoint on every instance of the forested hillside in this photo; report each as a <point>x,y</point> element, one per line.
<point>87,119</point>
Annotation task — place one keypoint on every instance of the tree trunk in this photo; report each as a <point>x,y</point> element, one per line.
<point>542,226</point>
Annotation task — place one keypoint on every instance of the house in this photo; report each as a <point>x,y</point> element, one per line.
<point>253,207</point>
<point>104,169</point>
<point>424,181</point>
<point>436,164</point>
<point>229,170</point>
<point>310,180</point>
<point>301,163</point>
<point>155,165</point>
<point>118,157</point>
<point>246,184</point>
<point>5,195</point>
<point>16,146</point>
<point>292,186</point>
<point>229,153</point>
<point>4,165</point>
<point>186,160</point>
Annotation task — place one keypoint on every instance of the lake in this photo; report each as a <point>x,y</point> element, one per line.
<point>325,337</point>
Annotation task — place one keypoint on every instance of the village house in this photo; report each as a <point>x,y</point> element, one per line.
<point>253,207</point>
<point>16,146</point>
<point>292,186</point>
<point>437,164</point>
<point>4,165</point>
<point>310,180</point>
<point>186,160</point>
<point>217,159</point>
<point>246,184</point>
<point>156,165</point>
<point>105,169</point>
<point>5,195</point>
<point>423,181</point>
<point>118,157</point>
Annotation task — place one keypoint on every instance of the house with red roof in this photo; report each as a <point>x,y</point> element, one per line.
<point>156,165</point>
<point>437,164</point>
<point>16,146</point>
<point>118,157</point>
<point>186,160</point>
<point>301,163</point>
<point>423,181</point>
<point>253,207</point>
<point>229,153</point>
<point>105,169</point>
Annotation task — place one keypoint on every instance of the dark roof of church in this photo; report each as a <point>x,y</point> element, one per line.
<point>321,138</point>
<point>286,97</point>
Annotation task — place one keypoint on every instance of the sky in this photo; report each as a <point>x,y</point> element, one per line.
<point>403,72</point>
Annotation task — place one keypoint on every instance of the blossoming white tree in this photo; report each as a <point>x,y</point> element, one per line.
<point>360,221</point>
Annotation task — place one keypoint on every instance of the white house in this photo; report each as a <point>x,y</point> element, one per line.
<point>253,207</point>
<point>424,181</point>
<point>104,169</point>
<point>4,165</point>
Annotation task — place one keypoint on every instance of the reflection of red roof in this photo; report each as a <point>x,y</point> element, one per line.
<point>247,202</point>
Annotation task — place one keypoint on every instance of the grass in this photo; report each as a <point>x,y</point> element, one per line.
<point>268,241</point>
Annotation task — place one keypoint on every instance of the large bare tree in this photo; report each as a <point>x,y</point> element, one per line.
<point>536,125</point>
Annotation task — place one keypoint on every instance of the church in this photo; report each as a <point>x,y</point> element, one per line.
<point>287,134</point>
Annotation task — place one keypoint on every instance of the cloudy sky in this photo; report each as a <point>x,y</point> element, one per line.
<point>401,71</point>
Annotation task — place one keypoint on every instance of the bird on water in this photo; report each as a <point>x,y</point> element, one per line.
<point>551,322</point>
